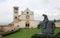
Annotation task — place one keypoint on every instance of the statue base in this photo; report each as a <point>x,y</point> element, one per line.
<point>40,35</point>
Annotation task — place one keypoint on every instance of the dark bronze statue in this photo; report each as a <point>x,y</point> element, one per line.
<point>45,20</point>
<point>47,26</point>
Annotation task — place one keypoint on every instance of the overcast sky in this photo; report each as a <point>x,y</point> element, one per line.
<point>39,7</point>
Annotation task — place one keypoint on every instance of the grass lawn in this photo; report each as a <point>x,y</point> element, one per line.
<point>27,33</point>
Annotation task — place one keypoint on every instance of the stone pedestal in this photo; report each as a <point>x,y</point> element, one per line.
<point>43,36</point>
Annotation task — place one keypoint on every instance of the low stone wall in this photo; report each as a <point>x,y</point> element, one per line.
<point>8,28</point>
<point>12,31</point>
<point>57,24</point>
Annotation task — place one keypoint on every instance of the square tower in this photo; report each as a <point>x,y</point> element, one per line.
<point>15,14</point>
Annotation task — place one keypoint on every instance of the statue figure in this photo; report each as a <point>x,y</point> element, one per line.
<point>45,20</point>
<point>47,26</point>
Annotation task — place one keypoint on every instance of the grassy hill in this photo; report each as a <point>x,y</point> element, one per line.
<point>26,33</point>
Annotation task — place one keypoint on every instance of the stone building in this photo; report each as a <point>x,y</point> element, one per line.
<point>25,20</point>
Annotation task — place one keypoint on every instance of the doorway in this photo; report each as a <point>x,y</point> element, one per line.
<point>27,24</point>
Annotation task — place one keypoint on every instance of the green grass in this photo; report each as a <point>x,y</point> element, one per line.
<point>57,30</point>
<point>27,33</point>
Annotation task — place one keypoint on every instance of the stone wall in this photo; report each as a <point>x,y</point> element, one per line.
<point>57,24</point>
<point>6,28</point>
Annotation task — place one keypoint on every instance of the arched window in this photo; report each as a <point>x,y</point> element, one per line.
<point>15,17</point>
<point>27,12</point>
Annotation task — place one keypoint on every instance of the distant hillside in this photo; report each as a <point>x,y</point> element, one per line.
<point>53,20</point>
<point>57,20</point>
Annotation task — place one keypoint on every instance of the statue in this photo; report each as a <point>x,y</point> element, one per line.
<point>45,20</point>
<point>47,26</point>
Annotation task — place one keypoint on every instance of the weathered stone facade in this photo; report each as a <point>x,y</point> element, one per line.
<point>26,19</point>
